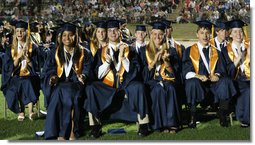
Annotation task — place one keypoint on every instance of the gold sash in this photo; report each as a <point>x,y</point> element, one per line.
<point>195,56</point>
<point>93,48</point>
<point>77,66</point>
<point>23,70</point>
<point>162,68</point>
<point>246,61</point>
<point>109,78</point>
<point>164,76</point>
<point>178,49</point>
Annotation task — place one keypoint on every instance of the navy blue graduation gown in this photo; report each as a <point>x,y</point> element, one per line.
<point>66,95</point>
<point>122,103</point>
<point>20,88</point>
<point>196,90</point>
<point>164,110</point>
<point>242,84</point>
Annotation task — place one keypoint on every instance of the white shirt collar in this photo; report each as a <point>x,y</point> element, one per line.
<point>200,48</point>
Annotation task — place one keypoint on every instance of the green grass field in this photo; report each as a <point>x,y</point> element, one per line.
<point>181,31</point>
<point>208,130</point>
<point>11,129</point>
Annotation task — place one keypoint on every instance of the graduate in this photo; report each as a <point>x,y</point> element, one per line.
<point>205,73</point>
<point>99,37</point>
<point>135,47</point>
<point>180,50</point>
<point>64,76</point>
<point>238,54</point>
<point>159,75</point>
<point>20,80</point>
<point>116,95</point>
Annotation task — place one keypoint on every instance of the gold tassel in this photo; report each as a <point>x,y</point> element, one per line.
<point>212,31</point>
<point>245,33</point>
<point>28,29</point>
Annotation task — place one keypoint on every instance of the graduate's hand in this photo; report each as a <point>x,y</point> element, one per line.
<point>122,48</point>
<point>81,78</point>
<point>166,56</point>
<point>203,78</point>
<point>214,78</point>
<point>53,80</point>
<point>107,56</point>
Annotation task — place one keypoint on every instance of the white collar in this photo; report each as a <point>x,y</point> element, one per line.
<point>218,43</point>
<point>139,44</point>
<point>235,48</point>
<point>200,48</point>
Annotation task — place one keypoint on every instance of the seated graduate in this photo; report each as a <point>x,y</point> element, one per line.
<point>238,54</point>
<point>64,76</point>
<point>158,72</point>
<point>180,88</point>
<point>20,81</point>
<point>205,73</point>
<point>135,47</point>
<point>116,95</point>
<point>99,37</point>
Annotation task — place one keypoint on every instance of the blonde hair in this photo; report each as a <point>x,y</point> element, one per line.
<point>94,38</point>
<point>15,42</point>
<point>151,48</point>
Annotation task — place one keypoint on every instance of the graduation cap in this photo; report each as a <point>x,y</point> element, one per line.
<point>19,24</point>
<point>113,24</point>
<point>167,23</point>
<point>101,24</point>
<point>204,23</point>
<point>236,24</point>
<point>140,28</point>
<point>220,24</point>
<point>158,25</point>
<point>67,26</point>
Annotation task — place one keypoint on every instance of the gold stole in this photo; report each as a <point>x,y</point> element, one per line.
<point>109,78</point>
<point>246,61</point>
<point>23,70</point>
<point>178,49</point>
<point>77,66</point>
<point>162,68</point>
<point>195,56</point>
<point>93,48</point>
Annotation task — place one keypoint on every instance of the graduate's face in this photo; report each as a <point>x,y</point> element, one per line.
<point>203,36</point>
<point>140,35</point>
<point>113,34</point>
<point>221,34</point>
<point>237,35</point>
<point>101,34</point>
<point>20,34</point>
<point>68,38</point>
<point>157,36</point>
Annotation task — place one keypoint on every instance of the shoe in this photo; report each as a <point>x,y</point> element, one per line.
<point>96,131</point>
<point>245,125</point>
<point>21,117</point>
<point>143,130</point>
<point>72,138</point>
<point>32,116</point>
<point>192,123</point>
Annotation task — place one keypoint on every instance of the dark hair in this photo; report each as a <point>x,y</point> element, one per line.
<point>200,27</point>
<point>77,51</point>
